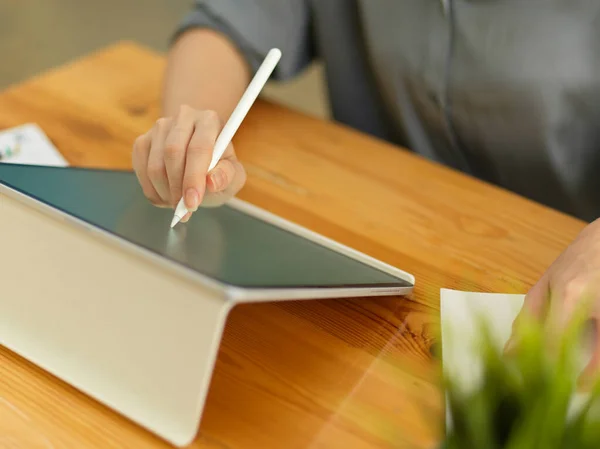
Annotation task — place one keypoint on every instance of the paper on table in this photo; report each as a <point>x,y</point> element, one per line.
<point>36,148</point>
<point>461,313</point>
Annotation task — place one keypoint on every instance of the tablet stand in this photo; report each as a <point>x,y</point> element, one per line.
<point>137,338</point>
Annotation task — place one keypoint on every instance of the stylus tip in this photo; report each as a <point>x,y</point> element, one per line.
<point>180,212</point>
<point>175,220</point>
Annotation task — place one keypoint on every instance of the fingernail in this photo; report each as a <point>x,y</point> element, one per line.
<point>191,199</point>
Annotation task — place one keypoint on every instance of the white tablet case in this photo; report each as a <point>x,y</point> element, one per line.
<point>120,327</point>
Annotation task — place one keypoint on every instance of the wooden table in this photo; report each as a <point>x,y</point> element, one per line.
<point>318,374</point>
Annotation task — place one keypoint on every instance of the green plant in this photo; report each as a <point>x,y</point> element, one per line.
<point>527,398</point>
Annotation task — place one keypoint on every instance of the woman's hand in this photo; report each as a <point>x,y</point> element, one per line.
<point>572,281</point>
<point>171,161</point>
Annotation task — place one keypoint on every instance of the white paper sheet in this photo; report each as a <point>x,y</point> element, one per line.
<point>36,148</point>
<point>461,313</point>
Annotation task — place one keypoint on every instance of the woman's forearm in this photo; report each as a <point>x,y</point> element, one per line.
<point>204,71</point>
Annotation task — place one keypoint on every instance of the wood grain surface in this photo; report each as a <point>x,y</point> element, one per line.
<point>357,373</point>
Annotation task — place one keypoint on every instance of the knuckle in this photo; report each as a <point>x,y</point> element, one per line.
<point>574,289</point>
<point>210,118</point>
<point>197,149</point>
<point>173,151</point>
<point>139,145</point>
<point>156,170</point>
<point>177,134</point>
<point>178,130</point>
<point>185,110</point>
<point>162,123</point>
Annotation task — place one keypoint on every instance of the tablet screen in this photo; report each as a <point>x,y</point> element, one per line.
<point>222,243</point>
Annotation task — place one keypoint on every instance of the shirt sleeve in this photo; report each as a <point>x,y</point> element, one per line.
<point>256,26</point>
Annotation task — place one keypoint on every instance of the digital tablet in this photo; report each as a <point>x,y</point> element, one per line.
<point>245,250</point>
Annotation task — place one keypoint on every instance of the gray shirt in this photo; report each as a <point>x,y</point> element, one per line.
<point>505,90</point>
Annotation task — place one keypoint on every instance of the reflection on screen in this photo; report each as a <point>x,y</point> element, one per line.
<point>222,243</point>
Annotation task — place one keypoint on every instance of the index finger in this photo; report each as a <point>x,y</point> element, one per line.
<point>175,150</point>
<point>198,159</point>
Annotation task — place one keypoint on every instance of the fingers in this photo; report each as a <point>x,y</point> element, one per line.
<point>175,147</point>
<point>140,154</point>
<point>198,158</point>
<point>576,299</point>
<point>537,298</point>
<point>171,162</point>
<point>157,172</point>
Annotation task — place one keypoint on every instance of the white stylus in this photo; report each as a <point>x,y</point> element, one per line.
<point>236,119</point>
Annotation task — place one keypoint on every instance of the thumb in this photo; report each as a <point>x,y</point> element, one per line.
<point>221,176</point>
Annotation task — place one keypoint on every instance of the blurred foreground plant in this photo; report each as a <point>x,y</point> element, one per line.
<point>528,398</point>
